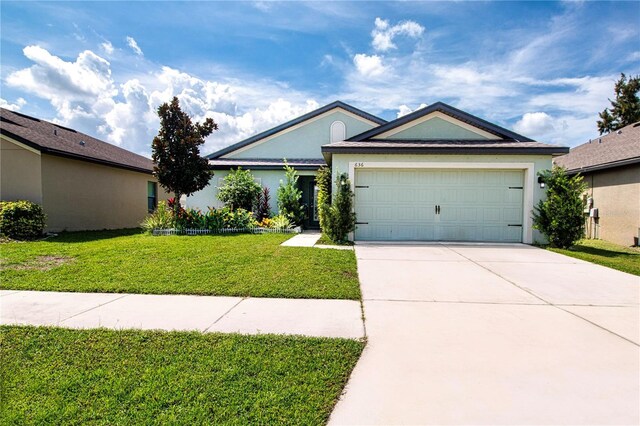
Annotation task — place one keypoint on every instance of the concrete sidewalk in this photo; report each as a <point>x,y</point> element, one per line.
<point>309,317</point>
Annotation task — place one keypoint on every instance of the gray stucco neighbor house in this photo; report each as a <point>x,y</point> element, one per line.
<point>610,165</point>
<point>438,173</point>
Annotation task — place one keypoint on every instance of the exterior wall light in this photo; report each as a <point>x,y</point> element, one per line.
<point>541,181</point>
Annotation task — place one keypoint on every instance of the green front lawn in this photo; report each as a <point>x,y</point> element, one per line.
<point>328,241</point>
<point>127,261</point>
<point>60,376</point>
<point>603,253</point>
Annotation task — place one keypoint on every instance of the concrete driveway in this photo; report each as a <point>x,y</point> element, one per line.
<point>493,334</point>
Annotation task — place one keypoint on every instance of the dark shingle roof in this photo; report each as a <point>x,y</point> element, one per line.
<point>611,150</point>
<point>53,139</point>
<point>444,146</point>
<point>305,117</point>
<point>448,110</point>
<point>266,163</point>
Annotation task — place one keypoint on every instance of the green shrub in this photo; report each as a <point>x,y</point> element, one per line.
<point>289,196</point>
<point>161,218</point>
<point>339,218</point>
<point>240,190</point>
<point>323,182</point>
<point>281,222</point>
<point>21,220</point>
<point>190,219</point>
<point>239,218</point>
<point>561,216</point>
<point>214,218</point>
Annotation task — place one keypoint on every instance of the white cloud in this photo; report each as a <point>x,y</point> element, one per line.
<point>383,34</point>
<point>535,123</point>
<point>86,98</point>
<point>134,46</point>
<point>87,78</point>
<point>404,110</point>
<point>19,103</point>
<point>634,56</point>
<point>369,66</point>
<point>107,47</point>
<point>264,6</point>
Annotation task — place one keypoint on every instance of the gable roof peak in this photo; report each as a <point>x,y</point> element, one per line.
<point>308,116</point>
<point>448,110</point>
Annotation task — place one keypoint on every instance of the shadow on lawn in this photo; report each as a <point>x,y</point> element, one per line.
<point>608,253</point>
<point>86,236</point>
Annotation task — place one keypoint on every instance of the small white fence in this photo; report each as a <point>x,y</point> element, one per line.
<point>256,230</point>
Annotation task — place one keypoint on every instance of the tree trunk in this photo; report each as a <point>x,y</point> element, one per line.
<point>176,205</point>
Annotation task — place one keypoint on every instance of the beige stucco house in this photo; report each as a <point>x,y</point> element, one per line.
<point>610,165</point>
<point>81,182</point>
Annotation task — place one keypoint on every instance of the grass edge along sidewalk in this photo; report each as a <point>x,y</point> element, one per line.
<point>61,376</point>
<point>625,259</point>
<point>127,261</point>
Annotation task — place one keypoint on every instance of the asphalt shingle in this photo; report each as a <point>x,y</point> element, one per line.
<point>622,146</point>
<point>58,140</point>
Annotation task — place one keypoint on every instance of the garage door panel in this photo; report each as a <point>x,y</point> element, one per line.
<point>512,234</point>
<point>468,214</point>
<point>512,215</point>
<point>468,195</point>
<point>491,214</point>
<point>475,205</point>
<point>512,178</point>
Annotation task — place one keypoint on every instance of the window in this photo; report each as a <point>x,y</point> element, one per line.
<point>315,204</point>
<point>152,196</point>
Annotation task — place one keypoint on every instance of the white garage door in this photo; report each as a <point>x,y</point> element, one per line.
<point>439,205</point>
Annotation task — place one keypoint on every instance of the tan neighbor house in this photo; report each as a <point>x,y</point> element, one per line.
<point>81,182</point>
<point>610,165</point>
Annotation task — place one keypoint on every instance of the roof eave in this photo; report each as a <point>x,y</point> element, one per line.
<point>598,167</point>
<point>59,153</point>
<point>293,122</point>
<point>445,150</point>
<point>446,109</point>
<point>260,167</point>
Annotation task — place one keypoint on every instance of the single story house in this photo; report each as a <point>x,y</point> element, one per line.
<point>610,165</point>
<point>81,182</point>
<point>438,173</point>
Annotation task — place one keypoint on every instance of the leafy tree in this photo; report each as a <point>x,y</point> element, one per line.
<point>561,216</point>
<point>625,109</point>
<point>339,218</point>
<point>263,211</point>
<point>289,196</point>
<point>176,153</point>
<point>240,190</point>
<point>323,182</point>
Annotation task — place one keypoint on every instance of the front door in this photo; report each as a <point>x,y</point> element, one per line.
<point>310,201</point>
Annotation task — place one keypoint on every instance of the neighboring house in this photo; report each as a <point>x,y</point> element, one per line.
<point>81,182</point>
<point>610,165</point>
<point>436,174</point>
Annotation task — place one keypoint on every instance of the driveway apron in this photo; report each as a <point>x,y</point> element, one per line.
<point>493,334</point>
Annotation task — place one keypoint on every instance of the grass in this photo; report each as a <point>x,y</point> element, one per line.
<point>328,241</point>
<point>604,253</point>
<point>127,261</point>
<point>61,376</point>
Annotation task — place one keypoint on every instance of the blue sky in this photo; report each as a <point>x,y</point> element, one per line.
<point>544,69</point>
